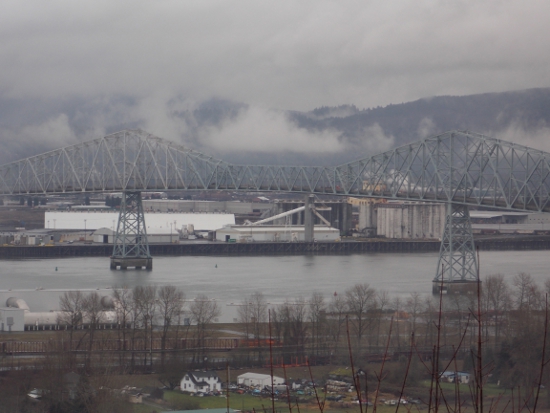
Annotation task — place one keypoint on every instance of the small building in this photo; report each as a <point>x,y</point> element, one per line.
<point>135,398</point>
<point>12,319</point>
<point>219,410</point>
<point>200,382</point>
<point>72,384</point>
<point>455,376</point>
<point>258,380</point>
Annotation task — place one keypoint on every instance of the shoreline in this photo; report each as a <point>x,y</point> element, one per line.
<point>190,248</point>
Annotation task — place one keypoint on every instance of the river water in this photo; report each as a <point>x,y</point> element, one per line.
<point>229,279</point>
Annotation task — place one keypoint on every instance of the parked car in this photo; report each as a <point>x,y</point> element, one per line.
<point>335,398</point>
<point>363,402</point>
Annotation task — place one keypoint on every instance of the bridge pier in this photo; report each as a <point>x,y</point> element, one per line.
<point>308,218</point>
<point>457,267</point>
<point>131,248</point>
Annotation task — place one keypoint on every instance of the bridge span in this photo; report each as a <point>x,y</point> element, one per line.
<point>460,168</point>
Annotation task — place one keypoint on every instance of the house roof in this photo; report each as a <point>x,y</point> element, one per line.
<point>198,377</point>
<point>256,376</point>
<point>204,374</point>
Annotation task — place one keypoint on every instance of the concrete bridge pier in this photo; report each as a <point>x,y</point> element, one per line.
<point>308,218</point>
<point>137,263</point>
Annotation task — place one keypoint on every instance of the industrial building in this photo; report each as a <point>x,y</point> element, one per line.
<point>337,213</point>
<point>399,220</point>
<point>366,222</point>
<point>276,233</point>
<point>230,207</point>
<point>17,316</point>
<point>410,220</point>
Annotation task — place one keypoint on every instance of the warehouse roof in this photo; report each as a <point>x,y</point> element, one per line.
<point>95,220</point>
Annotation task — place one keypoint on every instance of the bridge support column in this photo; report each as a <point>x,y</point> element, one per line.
<point>131,248</point>
<point>457,267</point>
<point>308,218</point>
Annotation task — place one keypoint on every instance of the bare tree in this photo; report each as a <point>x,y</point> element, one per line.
<point>336,320</point>
<point>360,299</point>
<point>317,317</point>
<point>71,306</point>
<point>258,314</point>
<point>145,300</point>
<point>93,314</point>
<point>298,325</point>
<point>497,299</point>
<point>203,311</point>
<point>291,317</point>
<point>413,306</point>
<point>430,316</point>
<point>170,304</point>
<point>123,303</point>
<point>245,316</point>
<point>397,304</point>
<point>253,315</point>
<point>527,293</point>
<point>378,306</point>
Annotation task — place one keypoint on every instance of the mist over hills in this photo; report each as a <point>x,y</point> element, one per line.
<point>242,133</point>
<point>490,114</point>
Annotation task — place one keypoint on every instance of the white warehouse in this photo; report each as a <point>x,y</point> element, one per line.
<point>257,233</point>
<point>156,222</point>
<point>256,379</point>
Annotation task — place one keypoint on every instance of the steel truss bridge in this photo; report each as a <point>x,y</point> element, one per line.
<point>460,168</point>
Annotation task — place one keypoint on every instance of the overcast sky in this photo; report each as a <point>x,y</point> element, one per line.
<point>292,55</point>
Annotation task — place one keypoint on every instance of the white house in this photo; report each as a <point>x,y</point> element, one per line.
<point>200,382</point>
<point>261,380</point>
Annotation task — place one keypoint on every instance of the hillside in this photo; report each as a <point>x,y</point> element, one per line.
<point>490,114</point>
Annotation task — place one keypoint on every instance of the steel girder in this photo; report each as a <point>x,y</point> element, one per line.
<point>458,167</point>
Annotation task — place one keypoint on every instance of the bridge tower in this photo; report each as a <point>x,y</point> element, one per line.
<point>131,248</point>
<point>457,267</point>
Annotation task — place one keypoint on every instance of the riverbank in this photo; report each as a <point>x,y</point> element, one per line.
<point>196,248</point>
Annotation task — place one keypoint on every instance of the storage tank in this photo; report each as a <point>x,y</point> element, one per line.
<point>17,303</point>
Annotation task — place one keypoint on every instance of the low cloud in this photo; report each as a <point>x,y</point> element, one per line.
<point>536,138</point>
<point>269,131</point>
<point>53,133</point>
<point>426,128</point>
<point>375,140</point>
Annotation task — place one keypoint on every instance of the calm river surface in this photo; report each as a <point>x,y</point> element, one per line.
<point>229,279</point>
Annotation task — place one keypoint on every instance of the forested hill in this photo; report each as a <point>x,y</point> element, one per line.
<point>501,115</point>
